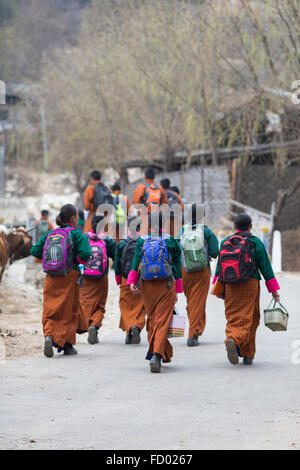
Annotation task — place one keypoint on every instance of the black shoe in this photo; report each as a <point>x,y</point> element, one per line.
<point>93,335</point>
<point>48,347</point>
<point>128,339</point>
<point>193,341</point>
<point>69,350</point>
<point>155,363</point>
<point>135,333</point>
<point>232,353</point>
<point>248,361</point>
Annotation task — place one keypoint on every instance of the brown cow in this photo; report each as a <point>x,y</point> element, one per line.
<point>13,246</point>
<point>3,254</point>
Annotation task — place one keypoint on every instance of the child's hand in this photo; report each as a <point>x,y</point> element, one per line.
<point>276,296</point>
<point>134,289</point>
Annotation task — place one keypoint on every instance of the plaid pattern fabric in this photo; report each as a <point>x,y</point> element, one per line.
<point>195,288</point>
<point>159,304</point>
<point>132,309</point>
<point>92,298</point>
<point>60,308</point>
<point>243,314</point>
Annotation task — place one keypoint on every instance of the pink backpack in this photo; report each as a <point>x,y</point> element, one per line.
<point>96,266</point>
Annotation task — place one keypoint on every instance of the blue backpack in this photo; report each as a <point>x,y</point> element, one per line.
<point>156,262</point>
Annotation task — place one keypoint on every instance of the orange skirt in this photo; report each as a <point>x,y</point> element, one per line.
<point>242,314</point>
<point>92,301</point>
<point>195,288</point>
<point>159,304</point>
<point>60,307</point>
<point>132,309</point>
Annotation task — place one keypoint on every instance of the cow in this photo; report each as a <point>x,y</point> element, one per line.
<point>13,246</point>
<point>3,254</point>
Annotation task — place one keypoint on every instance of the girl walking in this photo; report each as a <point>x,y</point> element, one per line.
<point>157,263</point>
<point>62,250</point>
<point>131,305</point>
<point>94,289</point>
<point>242,259</point>
<point>198,245</point>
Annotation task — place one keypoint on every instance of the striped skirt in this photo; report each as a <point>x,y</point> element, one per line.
<point>92,301</point>
<point>60,307</point>
<point>132,309</point>
<point>195,288</point>
<point>242,314</point>
<point>159,304</point>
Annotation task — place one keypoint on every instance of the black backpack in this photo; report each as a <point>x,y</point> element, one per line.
<point>172,197</point>
<point>127,256</point>
<point>102,195</point>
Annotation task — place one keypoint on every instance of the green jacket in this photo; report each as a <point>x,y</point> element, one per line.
<point>211,240</point>
<point>261,259</point>
<point>82,249</point>
<point>118,256</point>
<point>174,251</point>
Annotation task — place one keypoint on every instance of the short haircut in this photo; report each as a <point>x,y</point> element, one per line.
<point>135,219</point>
<point>156,221</point>
<point>95,221</point>
<point>116,187</point>
<point>96,175</point>
<point>175,189</point>
<point>165,183</point>
<point>44,212</point>
<point>149,174</point>
<point>242,221</point>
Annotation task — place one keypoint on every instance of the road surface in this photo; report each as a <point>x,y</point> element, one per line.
<point>106,398</point>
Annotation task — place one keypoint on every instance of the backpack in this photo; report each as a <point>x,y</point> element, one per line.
<point>102,195</point>
<point>127,256</point>
<point>236,261</point>
<point>172,197</point>
<point>194,250</point>
<point>42,228</point>
<point>156,262</point>
<point>120,213</point>
<point>96,266</point>
<point>152,194</point>
<point>58,252</point>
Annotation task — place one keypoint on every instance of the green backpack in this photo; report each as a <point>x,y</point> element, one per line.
<point>194,250</point>
<point>120,208</point>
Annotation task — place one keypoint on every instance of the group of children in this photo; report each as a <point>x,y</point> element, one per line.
<point>151,270</point>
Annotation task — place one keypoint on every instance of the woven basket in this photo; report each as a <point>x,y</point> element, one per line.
<point>276,318</point>
<point>177,325</point>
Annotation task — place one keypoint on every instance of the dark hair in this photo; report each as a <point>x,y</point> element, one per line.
<point>149,174</point>
<point>66,213</point>
<point>156,220</point>
<point>96,175</point>
<point>80,214</point>
<point>133,219</point>
<point>175,189</point>
<point>165,183</point>
<point>44,212</point>
<point>242,221</point>
<point>116,187</point>
<point>195,214</point>
<point>95,221</point>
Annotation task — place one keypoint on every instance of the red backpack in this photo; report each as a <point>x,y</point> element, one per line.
<point>236,261</point>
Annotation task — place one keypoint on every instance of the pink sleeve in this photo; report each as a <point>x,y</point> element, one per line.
<point>118,279</point>
<point>179,288</point>
<point>215,278</point>
<point>272,285</point>
<point>133,278</point>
